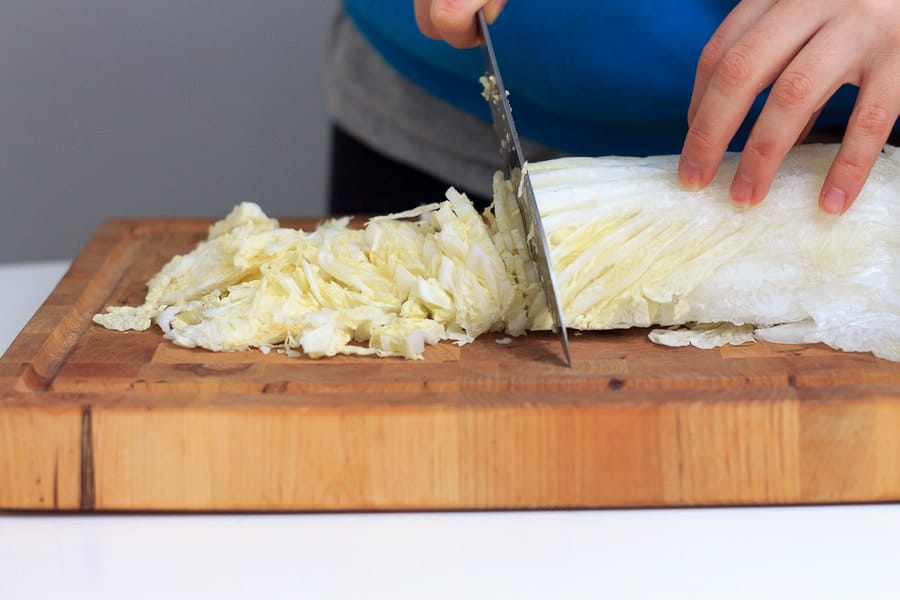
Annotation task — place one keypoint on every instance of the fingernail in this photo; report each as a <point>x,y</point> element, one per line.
<point>834,200</point>
<point>742,189</point>
<point>690,175</point>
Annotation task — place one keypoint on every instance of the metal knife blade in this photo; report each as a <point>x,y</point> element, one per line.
<point>515,165</point>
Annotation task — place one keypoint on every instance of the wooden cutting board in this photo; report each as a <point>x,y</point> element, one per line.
<point>96,420</point>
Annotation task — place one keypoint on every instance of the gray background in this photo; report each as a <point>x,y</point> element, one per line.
<point>160,107</point>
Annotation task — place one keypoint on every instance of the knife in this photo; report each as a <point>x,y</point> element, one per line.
<point>515,169</point>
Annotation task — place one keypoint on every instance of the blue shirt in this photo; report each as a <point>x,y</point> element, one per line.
<point>590,77</point>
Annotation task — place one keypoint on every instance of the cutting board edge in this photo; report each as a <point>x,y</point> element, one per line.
<point>571,455</point>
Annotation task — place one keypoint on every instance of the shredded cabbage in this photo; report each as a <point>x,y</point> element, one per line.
<point>389,289</point>
<point>629,248</point>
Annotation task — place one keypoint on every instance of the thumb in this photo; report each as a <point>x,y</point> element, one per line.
<point>454,20</point>
<point>493,9</point>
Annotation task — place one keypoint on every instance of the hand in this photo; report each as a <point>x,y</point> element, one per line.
<point>454,20</point>
<point>808,48</point>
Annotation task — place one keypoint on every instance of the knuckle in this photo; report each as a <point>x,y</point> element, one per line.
<point>762,151</point>
<point>711,54</point>
<point>851,167</point>
<point>735,67</point>
<point>700,140</point>
<point>875,120</point>
<point>792,89</point>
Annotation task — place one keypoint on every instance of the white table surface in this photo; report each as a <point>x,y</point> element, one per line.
<point>801,552</point>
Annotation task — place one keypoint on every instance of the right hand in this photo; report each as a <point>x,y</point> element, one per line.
<point>454,20</point>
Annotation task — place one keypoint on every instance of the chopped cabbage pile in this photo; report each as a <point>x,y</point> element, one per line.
<point>629,248</point>
<point>387,289</point>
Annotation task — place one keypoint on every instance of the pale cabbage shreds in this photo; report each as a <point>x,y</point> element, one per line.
<point>704,335</point>
<point>388,289</point>
<point>211,266</point>
<point>630,249</point>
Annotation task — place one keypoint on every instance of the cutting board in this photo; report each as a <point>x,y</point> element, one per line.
<point>94,420</point>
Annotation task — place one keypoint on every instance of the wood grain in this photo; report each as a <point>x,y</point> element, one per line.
<point>40,457</point>
<point>98,420</point>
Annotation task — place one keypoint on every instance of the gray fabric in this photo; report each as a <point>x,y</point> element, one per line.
<point>373,102</point>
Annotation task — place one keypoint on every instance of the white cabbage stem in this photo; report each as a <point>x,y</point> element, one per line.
<point>631,248</point>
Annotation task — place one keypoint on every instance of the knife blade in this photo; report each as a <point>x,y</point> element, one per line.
<point>516,170</point>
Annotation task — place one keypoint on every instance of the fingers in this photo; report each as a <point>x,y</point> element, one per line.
<point>735,25</point>
<point>743,71</point>
<point>493,9</point>
<point>423,19</point>
<point>799,92</point>
<point>454,20</point>
<point>874,115</point>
